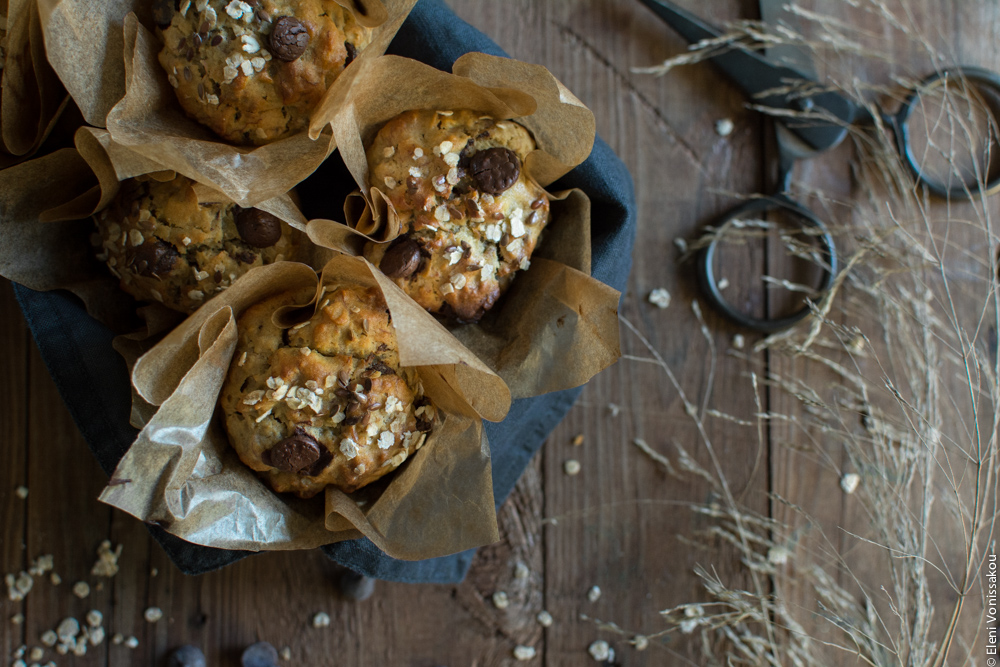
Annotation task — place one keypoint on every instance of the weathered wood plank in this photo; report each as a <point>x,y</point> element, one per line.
<point>14,339</point>
<point>64,518</point>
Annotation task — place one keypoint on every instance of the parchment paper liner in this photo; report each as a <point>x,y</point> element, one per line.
<point>132,98</point>
<point>46,225</point>
<point>557,326</point>
<point>182,474</point>
<point>32,97</point>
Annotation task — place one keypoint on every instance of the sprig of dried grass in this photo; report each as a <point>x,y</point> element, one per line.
<point>886,400</point>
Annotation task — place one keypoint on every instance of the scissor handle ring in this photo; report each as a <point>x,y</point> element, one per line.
<point>983,79</point>
<point>710,286</point>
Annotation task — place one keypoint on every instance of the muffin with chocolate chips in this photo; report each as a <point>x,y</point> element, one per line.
<point>164,245</point>
<point>470,217</point>
<point>254,70</point>
<point>326,400</point>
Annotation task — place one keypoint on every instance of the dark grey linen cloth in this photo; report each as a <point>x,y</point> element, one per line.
<point>94,383</point>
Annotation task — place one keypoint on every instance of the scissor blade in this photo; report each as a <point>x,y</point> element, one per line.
<point>774,13</point>
<point>759,79</point>
<point>689,26</point>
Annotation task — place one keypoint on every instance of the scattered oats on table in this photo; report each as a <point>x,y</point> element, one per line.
<point>778,555</point>
<point>544,619</point>
<point>153,614</point>
<point>21,492</point>
<point>41,565</point>
<point>850,482</point>
<point>321,620</point>
<point>594,594</point>
<point>578,440</point>
<point>571,467</point>
<point>94,618</point>
<point>132,642</point>
<point>521,571</point>
<point>68,629</point>
<point>49,638</point>
<point>524,653</point>
<point>640,642</point>
<point>17,619</point>
<point>724,127</point>
<point>36,654</point>
<point>500,600</point>
<point>614,409</point>
<point>659,297</point>
<point>601,651</point>
<point>107,560</point>
<point>285,653</point>
<point>81,589</point>
<point>739,342</point>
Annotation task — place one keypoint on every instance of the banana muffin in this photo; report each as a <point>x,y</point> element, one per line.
<point>324,401</point>
<point>254,71</point>
<point>164,245</point>
<point>470,217</point>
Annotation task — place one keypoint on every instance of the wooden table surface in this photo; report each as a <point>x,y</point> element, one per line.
<point>615,525</point>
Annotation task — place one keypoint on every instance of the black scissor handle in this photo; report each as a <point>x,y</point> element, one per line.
<point>982,79</point>
<point>806,219</point>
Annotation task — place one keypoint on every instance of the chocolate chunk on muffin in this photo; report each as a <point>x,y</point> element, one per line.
<point>164,245</point>
<point>470,217</point>
<point>324,401</point>
<point>254,70</point>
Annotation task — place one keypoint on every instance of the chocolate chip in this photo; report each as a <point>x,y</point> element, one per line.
<point>258,228</point>
<point>261,654</point>
<point>401,259</point>
<point>163,12</point>
<point>246,257</point>
<point>289,38</point>
<point>187,656</point>
<point>495,170</point>
<point>216,40</point>
<point>295,452</point>
<point>317,468</point>
<point>154,258</point>
<point>217,277</point>
<point>352,53</point>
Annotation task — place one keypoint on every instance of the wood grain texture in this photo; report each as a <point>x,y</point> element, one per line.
<point>615,525</point>
<point>14,346</point>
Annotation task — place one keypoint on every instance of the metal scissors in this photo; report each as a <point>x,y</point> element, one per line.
<point>791,85</point>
